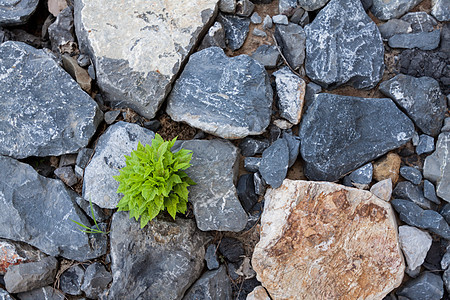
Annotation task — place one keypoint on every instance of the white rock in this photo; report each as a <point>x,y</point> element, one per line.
<point>382,189</point>
<point>415,244</point>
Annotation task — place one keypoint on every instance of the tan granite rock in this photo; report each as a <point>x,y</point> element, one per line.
<point>321,240</point>
<point>387,167</point>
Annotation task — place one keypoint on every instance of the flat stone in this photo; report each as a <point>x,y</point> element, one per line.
<point>160,261</point>
<point>411,174</point>
<point>426,144</point>
<point>280,19</point>
<point>421,40</point>
<point>283,124</point>
<point>408,191</point>
<point>385,10</point>
<point>212,285</point>
<point>16,12</point>
<point>382,189</point>
<point>293,143</point>
<point>259,32</point>
<point>96,280</point>
<point>393,27</point>
<point>274,163</point>
<point>111,116</point>
<point>230,97</point>
<point>323,237</point>
<point>250,146</point>
<point>267,56</point>
<point>61,32</point>
<point>387,167</point>
<point>46,292</point>
<point>232,249</point>
<point>429,192</point>
<point>446,279</point>
<point>421,98</point>
<point>236,30</point>
<point>362,177</point>
<point>300,17</point>
<point>246,191</point>
<point>415,244</point>
<point>420,21</point>
<point>211,257</point>
<point>258,293</point>
<point>139,47</point>
<point>41,115</point>
<point>344,46</point>
<point>214,38</point>
<point>70,280</point>
<point>227,6</point>
<point>427,286</point>
<point>437,166</point>
<point>39,213</point>
<point>256,18</point>
<point>441,10</point>
<point>4,295</point>
<point>244,8</point>
<point>310,5</point>
<point>341,133</point>
<point>15,253</point>
<point>67,175</point>
<point>67,160</point>
<point>287,7</point>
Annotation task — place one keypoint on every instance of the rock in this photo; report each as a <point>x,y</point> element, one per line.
<point>212,285</point>
<point>413,215</point>
<point>341,133</point>
<point>427,286</point>
<point>312,90</point>
<point>259,32</point>
<point>382,189</point>
<point>287,7</point>
<point>211,257</point>
<point>260,184</point>
<point>91,72</point>
<point>70,281</point>
<point>56,6</point>
<point>250,146</point>
<point>413,273</point>
<point>4,295</point>
<point>344,46</point>
<point>274,133</point>
<point>67,160</point>
<point>367,4</point>
<point>159,261</point>
<point>42,116</point>
<point>393,27</point>
<point>227,6</point>
<point>232,271</point>
<point>421,99</point>
<point>67,175</point>
<point>267,56</point>
<point>293,143</point>
<point>310,5</point>
<point>387,167</point>
<point>227,97</point>
<point>20,35</point>
<point>255,18</point>
<point>138,49</point>
<point>83,60</point>
<point>441,10</point>
<point>282,124</point>
<point>300,17</point>
<point>16,12</point>
<point>308,232</point>
<point>274,163</point>
<point>244,8</point>
<point>28,276</point>
<point>118,140</point>
<point>426,144</point>
<point>153,125</point>
<point>83,157</point>
<point>437,167</point>
<point>111,116</point>
<point>415,244</point>
<point>267,22</point>
<point>280,19</point>
<point>78,73</point>
<point>445,262</point>
<point>430,192</point>
<point>411,174</point>
<point>446,278</point>
<point>408,191</point>
<point>445,39</point>
<point>445,212</point>
<point>385,10</point>
<point>61,32</point>
<point>291,92</point>
<point>236,30</point>
<point>446,126</point>
<point>5,35</point>
<point>259,293</point>
<point>246,270</point>
<point>246,192</point>
<point>420,21</point>
<point>46,292</point>
<point>232,249</point>
<point>40,214</point>
<point>251,164</point>
<point>435,254</point>
<point>362,177</point>
<point>101,215</point>
<point>215,37</point>
<point>15,253</point>
<point>96,279</point>
<point>421,40</point>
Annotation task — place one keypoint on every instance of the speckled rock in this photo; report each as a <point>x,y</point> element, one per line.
<point>46,292</point>
<point>421,40</point>
<point>236,30</point>
<point>14,253</point>
<point>382,189</point>
<point>16,12</point>
<point>415,244</point>
<point>385,10</point>
<point>420,21</point>
<point>437,166</point>
<point>96,280</point>
<point>258,293</point>
<point>292,40</point>
<point>427,286</point>
<point>441,10</point>
<point>312,4</point>
<point>274,163</point>
<point>392,27</point>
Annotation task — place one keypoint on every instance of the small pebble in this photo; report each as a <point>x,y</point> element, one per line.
<point>153,125</point>
<point>429,191</point>
<point>446,126</point>
<point>259,32</point>
<point>411,174</point>
<point>267,22</point>
<point>256,18</point>
<point>91,72</point>
<point>260,184</point>
<point>382,189</point>
<point>415,139</point>
<point>362,177</point>
<point>425,145</point>
<point>280,19</point>
<point>67,175</point>
<point>111,116</point>
<point>83,60</point>
<point>252,164</point>
<point>211,257</point>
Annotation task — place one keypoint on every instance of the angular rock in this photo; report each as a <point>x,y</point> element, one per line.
<point>420,21</point>
<point>312,90</point>
<point>236,30</point>
<point>259,32</point>
<point>362,177</point>
<point>382,189</point>
<point>38,210</point>
<point>408,191</point>
<point>308,232</point>
<point>232,249</point>
<point>426,144</point>
<point>344,46</point>
<point>411,174</point>
<point>14,253</point>
<point>67,175</point>
<point>246,192</point>
<point>267,56</point>
<point>67,160</point>
<point>79,74</point>
<point>300,17</point>
<point>258,293</point>
<point>41,115</point>
<point>244,8</point>
<point>420,98</point>
<point>56,6</point>
<point>256,18</point>
<point>250,146</point>
<point>393,27</point>
<point>211,257</point>
<point>427,286</point>
<point>446,126</point>
<point>267,22</point>
<point>287,7</point>
<point>415,244</point>
<point>61,32</point>
<point>445,212</point>
<point>437,166</point>
<point>214,38</point>
<point>46,292</point>
<point>159,261</point>
<point>20,35</point>
<point>227,97</point>
<point>16,12</point>
<point>341,133</point>
<point>283,124</point>
<point>111,116</point>
<point>96,279</point>
<point>252,164</point>
<point>227,6</point>
<point>385,10</point>
<point>260,184</point>
<point>138,47</point>
<point>293,143</point>
<point>274,163</point>
<point>429,192</point>
<point>310,5</point>
<point>421,40</point>
<point>4,295</point>
<point>441,10</point>
<point>71,280</point>
<point>212,285</point>
<point>446,279</point>
<point>387,167</point>
<point>280,19</point>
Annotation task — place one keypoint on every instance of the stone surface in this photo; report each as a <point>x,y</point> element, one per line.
<point>16,12</point>
<point>227,6</point>
<point>56,6</point>
<point>344,46</point>
<point>268,23</point>
<point>408,191</point>
<point>139,47</point>
<point>46,292</point>
<point>232,249</point>
<point>211,257</point>
<point>324,237</point>
<point>212,285</point>
<point>250,146</point>
<point>61,32</point>
<point>415,244</point>
<point>420,21</point>
<point>280,20</point>
<point>111,116</point>
<point>70,280</point>
<point>96,279</point>
<point>341,133</point>
<point>293,143</point>
<point>411,174</point>
<point>421,98</point>
<point>267,56</point>
<point>287,7</point>
<point>67,175</point>
<point>446,126</point>
<point>215,37</point>
<point>310,5</point>
<point>427,286</point>
<point>429,191</point>
<point>78,73</point>
<point>252,164</point>
<point>38,210</point>
<point>259,32</point>
<point>421,40</point>
<point>387,167</point>
<point>426,144</point>
<point>437,166</point>
<point>292,39</point>
<point>385,10</point>
<point>244,8</point>
<point>260,184</point>
<point>227,97</point>
<point>236,30</point>
<point>4,295</point>
<point>258,293</point>
<point>274,163</point>
<point>393,27</point>
<point>159,261</point>
<point>300,17</point>
<point>441,10</point>
<point>256,18</point>
<point>362,177</point>
<point>41,115</point>
<point>14,253</point>
<point>382,189</point>
<point>246,191</point>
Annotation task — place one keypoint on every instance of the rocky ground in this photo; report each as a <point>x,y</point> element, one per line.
<point>320,131</point>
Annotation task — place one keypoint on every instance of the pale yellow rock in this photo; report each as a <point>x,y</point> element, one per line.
<point>321,240</point>
<point>258,293</point>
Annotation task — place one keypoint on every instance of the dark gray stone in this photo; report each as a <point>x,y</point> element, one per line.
<point>340,133</point>
<point>411,174</point>
<point>260,184</point>
<point>274,163</point>
<point>232,268</point>
<point>153,125</point>
<point>445,38</point>
<point>344,46</point>
<point>230,97</point>
<point>71,280</point>
<point>310,5</point>
<point>67,160</point>
<point>213,285</point>
<point>21,35</point>
<point>408,191</point>
<point>362,177</point>
<point>101,215</point>
<point>236,30</point>
<point>267,56</point>
<point>5,35</point>
<point>274,133</point>
<point>96,279</point>
<point>259,32</point>
<point>61,32</point>
<point>16,12</point>
<point>250,146</point>
<point>293,143</point>
<point>426,144</point>
<point>287,7</point>
<point>84,60</point>
<point>211,257</point>
<point>84,156</point>
<point>446,279</point>
<point>252,164</point>
<point>420,98</point>
<point>159,261</point>
<point>40,214</point>
<point>445,212</point>
<point>41,115</point>
<point>312,89</point>
<point>445,261</point>
<point>420,21</point>
<point>393,27</point>
<point>214,38</point>
<point>4,295</point>
<point>280,20</point>
<point>232,249</point>
<point>441,10</point>
<point>437,166</point>
<point>421,40</point>
<point>244,8</point>
<point>227,6</point>
<point>413,215</point>
<point>67,175</point>
<point>427,286</point>
<point>111,116</point>
<point>385,10</point>
<point>246,192</point>
<point>429,192</point>
<point>300,17</point>
<point>46,292</point>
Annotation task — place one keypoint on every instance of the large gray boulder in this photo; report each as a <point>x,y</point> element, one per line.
<point>385,10</point>
<point>437,166</point>
<point>44,111</point>
<point>344,46</point>
<point>138,47</point>
<point>16,12</point>
<point>341,133</point>
<point>159,261</point>
<point>230,97</point>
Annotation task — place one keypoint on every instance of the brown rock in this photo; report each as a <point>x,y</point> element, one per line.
<point>387,167</point>
<point>15,253</point>
<point>78,73</point>
<point>321,240</point>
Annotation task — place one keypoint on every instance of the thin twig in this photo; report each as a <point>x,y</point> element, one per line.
<point>284,58</point>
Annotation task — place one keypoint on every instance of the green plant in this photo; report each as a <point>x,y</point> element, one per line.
<point>153,180</point>
<point>88,229</point>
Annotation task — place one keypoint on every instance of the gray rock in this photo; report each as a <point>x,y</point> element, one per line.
<point>214,38</point>
<point>421,98</point>
<point>310,5</point>
<point>61,32</point>
<point>445,212</point>
<point>267,22</point>
<point>367,4</point>
<point>413,273</point>
<point>246,192</point>
<point>256,18</point>
<point>211,257</point>
<point>421,40</point>
<point>446,279</point>
<point>393,27</point>
<point>20,35</point>
<point>71,280</point>
<point>153,125</point>
<point>230,97</point>
<point>385,10</point>
<point>4,295</point>
<point>341,133</point>
<point>13,253</point>
<point>420,21</point>
<point>427,286</point>
<point>415,139</point>
<point>67,160</point>
<point>445,261</point>
<point>267,56</point>
<point>159,261</point>
<point>411,174</point>
<point>91,72</point>
<point>40,214</point>
<point>344,46</point>
<point>250,146</point>
<point>429,192</point>
<point>32,275</point>
<point>41,115</point>
<point>437,166</point>
<point>292,39</point>
<point>16,12</point>
<point>280,19</point>
<point>111,116</point>
<point>300,17</point>
<point>413,215</point>
<point>5,35</point>
<point>83,157</point>
<point>244,8</point>
<point>232,249</point>
<point>260,184</point>
<point>259,32</point>
<point>213,285</point>
<point>227,6</point>
<point>293,143</point>
<point>46,292</point>
<point>425,145</point>
<point>67,175</point>
<point>101,215</point>
<point>441,10</point>
<point>274,163</point>
<point>408,191</point>
<point>446,126</point>
<point>84,60</point>
<point>287,7</point>
<point>96,279</point>
<point>312,89</point>
<point>362,177</point>
<point>415,244</point>
<point>236,30</point>
<point>252,164</point>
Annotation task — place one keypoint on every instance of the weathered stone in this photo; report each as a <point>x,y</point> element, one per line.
<point>267,56</point>
<point>14,253</point>
<point>437,166</point>
<point>259,293</point>
<point>227,6</point>
<point>256,18</point>
<point>408,191</point>
<point>47,293</point>
<point>287,7</point>
<point>446,126</point>
<point>283,124</point>
<point>5,35</point>
<point>16,12</point>
<point>421,98</point>
<point>159,261</point>
<point>420,21</point>
<point>280,19</point>
<point>385,10</point>
<point>446,279</point>
<point>227,97</point>
<point>244,8</point>
<point>411,174</point>
<point>79,74</point>
<point>21,35</point>
<point>415,244</point>
<point>324,237</point>
<point>445,212</point>
<point>61,32</point>
<point>67,175</point>
<point>4,295</point>
<point>96,279</point>
<point>427,286</point>
<point>429,192</point>
<point>341,133</point>
<point>214,38</point>
<point>41,115</point>
<point>344,46</point>
<point>250,146</point>
<point>310,5</point>
<point>212,285</point>
<point>393,27</point>
<point>260,184</point>
<point>293,143</point>
<point>362,177</point>
<point>246,191</point>
<point>252,164</point>
<point>425,145</point>
<point>267,22</point>
<point>274,163</point>
<point>70,280</point>
<point>38,210</point>
<point>387,167</point>
<point>111,116</point>
<point>83,60</point>
<point>382,189</point>
<point>211,257</point>
<point>300,17</point>
<point>421,40</point>
<point>259,32</point>
<point>232,249</point>
<point>67,160</point>
<point>441,10</point>
<point>139,47</point>
<point>236,30</point>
